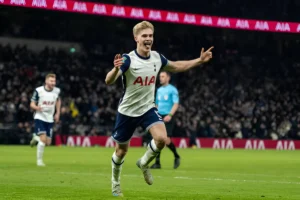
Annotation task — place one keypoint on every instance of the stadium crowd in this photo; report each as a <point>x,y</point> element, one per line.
<point>249,90</point>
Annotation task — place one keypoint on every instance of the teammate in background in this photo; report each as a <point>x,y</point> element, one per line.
<point>139,70</point>
<point>45,102</point>
<point>166,101</point>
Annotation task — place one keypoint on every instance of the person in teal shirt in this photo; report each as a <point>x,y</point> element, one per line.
<point>167,102</point>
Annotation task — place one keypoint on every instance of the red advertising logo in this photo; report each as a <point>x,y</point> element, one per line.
<point>244,24</point>
<point>39,3</point>
<point>173,17</point>
<point>285,145</point>
<point>223,144</point>
<point>223,22</point>
<point>261,25</point>
<point>255,144</point>
<point>206,20</point>
<point>80,7</point>
<point>137,13</point>
<point>283,27</point>
<point>100,9</point>
<point>60,5</point>
<point>118,11</point>
<point>191,19</point>
<point>18,2</point>
<point>153,14</point>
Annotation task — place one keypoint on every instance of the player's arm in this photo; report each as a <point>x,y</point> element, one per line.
<point>57,110</point>
<point>121,65</point>
<point>34,101</point>
<point>112,76</point>
<point>181,66</point>
<point>174,109</point>
<point>175,100</point>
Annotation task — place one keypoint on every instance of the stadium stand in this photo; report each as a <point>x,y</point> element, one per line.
<point>250,89</point>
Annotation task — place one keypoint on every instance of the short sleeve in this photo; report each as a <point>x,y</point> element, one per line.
<point>126,63</point>
<point>164,61</point>
<point>35,96</point>
<point>175,96</point>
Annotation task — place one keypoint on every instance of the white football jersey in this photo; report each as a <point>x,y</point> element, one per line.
<point>47,101</point>
<point>139,77</point>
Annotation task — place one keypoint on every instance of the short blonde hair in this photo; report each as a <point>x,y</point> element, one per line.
<point>141,26</point>
<point>50,76</point>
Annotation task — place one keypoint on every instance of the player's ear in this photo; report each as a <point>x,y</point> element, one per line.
<point>135,38</point>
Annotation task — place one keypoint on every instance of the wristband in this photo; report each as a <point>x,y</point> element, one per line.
<point>170,115</point>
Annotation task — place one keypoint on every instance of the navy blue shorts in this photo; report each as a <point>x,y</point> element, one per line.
<point>41,127</point>
<point>125,125</point>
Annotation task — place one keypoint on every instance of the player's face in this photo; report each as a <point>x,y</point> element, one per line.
<point>164,78</point>
<point>144,40</point>
<point>51,82</point>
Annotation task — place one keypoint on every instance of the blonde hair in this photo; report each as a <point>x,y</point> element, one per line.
<point>50,76</point>
<point>141,26</point>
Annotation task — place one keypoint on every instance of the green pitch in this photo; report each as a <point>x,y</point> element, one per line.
<point>84,174</point>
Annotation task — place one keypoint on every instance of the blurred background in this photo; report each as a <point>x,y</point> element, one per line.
<point>250,90</point>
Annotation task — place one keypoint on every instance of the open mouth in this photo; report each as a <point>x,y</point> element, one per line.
<point>148,44</point>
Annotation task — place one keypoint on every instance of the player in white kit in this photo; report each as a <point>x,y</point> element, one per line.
<point>45,102</point>
<point>139,70</point>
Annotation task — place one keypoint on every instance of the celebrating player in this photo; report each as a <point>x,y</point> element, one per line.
<point>45,102</point>
<point>139,70</point>
<point>166,101</point>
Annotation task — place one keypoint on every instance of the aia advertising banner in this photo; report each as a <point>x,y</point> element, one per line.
<point>89,141</point>
<point>251,144</point>
<point>211,143</point>
<point>156,15</point>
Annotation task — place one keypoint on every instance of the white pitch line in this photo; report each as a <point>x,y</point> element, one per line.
<point>247,174</point>
<point>230,173</point>
<point>235,180</point>
<point>177,177</point>
<point>222,173</point>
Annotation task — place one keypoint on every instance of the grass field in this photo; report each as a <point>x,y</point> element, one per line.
<point>84,174</point>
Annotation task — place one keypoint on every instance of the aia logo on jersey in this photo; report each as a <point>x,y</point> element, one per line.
<point>48,103</point>
<point>147,81</point>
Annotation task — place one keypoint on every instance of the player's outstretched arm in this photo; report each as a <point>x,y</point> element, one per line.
<point>181,66</point>
<point>114,74</point>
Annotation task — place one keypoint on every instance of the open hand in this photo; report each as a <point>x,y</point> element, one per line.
<point>205,56</point>
<point>167,118</point>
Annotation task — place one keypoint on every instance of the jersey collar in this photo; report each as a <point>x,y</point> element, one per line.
<point>47,90</point>
<point>141,57</point>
